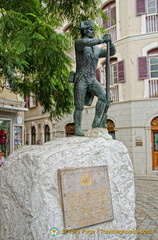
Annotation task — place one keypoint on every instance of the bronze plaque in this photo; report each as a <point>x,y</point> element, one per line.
<point>85,196</point>
<point>139,144</point>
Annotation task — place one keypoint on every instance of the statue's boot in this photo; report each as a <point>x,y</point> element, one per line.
<point>96,122</point>
<point>77,120</point>
<point>78,131</point>
<point>100,106</point>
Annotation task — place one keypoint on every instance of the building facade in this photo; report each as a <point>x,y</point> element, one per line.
<point>11,120</point>
<point>133,113</point>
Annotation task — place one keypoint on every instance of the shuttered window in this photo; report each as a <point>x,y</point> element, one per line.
<point>121,72</point>
<point>143,67</point>
<point>146,6</point>
<point>148,65</point>
<point>110,11</point>
<point>117,71</point>
<point>140,7</point>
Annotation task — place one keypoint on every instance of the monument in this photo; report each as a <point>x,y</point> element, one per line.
<point>72,188</point>
<point>86,85</point>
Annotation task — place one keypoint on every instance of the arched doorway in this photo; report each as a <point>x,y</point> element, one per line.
<point>154,139</point>
<point>111,128</point>
<point>70,129</point>
<point>33,135</point>
<point>46,133</point>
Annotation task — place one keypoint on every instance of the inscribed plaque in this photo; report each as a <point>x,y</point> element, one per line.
<point>85,196</point>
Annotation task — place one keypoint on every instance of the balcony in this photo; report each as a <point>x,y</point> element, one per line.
<point>151,88</point>
<point>114,93</point>
<point>112,32</point>
<point>152,23</point>
<point>114,88</point>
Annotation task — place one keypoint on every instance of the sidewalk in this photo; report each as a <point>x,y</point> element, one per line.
<point>147,206</point>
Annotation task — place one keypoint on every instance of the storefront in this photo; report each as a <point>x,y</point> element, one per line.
<point>11,126</point>
<point>5,135</point>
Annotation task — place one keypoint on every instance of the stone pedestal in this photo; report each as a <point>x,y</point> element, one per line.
<point>30,188</point>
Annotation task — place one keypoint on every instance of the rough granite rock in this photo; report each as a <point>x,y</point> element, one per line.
<point>29,188</point>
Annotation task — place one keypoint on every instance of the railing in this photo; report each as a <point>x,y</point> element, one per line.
<point>114,89</point>
<point>114,93</point>
<point>113,33</point>
<point>153,88</point>
<point>152,23</point>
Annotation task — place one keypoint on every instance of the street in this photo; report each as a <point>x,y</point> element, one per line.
<point>147,206</point>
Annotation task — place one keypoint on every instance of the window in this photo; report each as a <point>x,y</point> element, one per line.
<point>153,62</point>
<point>46,133</point>
<point>110,24</point>
<point>110,11</point>
<point>148,65</point>
<point>150,8</point>
<point>33,135</point>
<point>31,101</point>
<point>146,6</point>
<point>116,71</point>
<point>114,76</point>
<point>117,75</point>
<point>148,71</point>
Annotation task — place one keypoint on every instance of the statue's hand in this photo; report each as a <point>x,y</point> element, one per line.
<point>107,38</point>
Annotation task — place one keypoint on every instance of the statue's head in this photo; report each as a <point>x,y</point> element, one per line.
<point>87,28</point>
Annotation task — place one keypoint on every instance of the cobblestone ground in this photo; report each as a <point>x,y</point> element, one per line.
<point>146,213</point>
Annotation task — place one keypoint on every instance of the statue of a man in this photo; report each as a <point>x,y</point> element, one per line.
<point>86,85</point>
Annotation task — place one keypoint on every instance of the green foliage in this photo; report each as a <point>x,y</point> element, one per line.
<point>33,56</point>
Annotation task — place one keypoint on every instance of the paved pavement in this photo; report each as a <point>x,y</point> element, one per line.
<point>146,213</point>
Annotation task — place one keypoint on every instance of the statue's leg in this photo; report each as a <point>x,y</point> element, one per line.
<point>99,109</point>
<point>98,91</point>
<point>78,120</point>
<point>79,99</point>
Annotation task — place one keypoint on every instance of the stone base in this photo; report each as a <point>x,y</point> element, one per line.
<point>30,194</point>
<point>99,132</point>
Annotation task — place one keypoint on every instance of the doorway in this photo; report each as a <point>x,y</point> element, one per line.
<point>111,128</point>
<point>154,140</point>
<point>70,129</point>
<point>5,138</point>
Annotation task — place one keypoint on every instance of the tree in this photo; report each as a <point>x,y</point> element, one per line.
<point>33,55</point>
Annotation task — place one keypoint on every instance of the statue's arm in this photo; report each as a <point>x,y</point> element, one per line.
<point>81,43</point>
<point>103,51</point>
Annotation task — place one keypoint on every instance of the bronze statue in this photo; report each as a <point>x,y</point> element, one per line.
<point>86,85</point>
